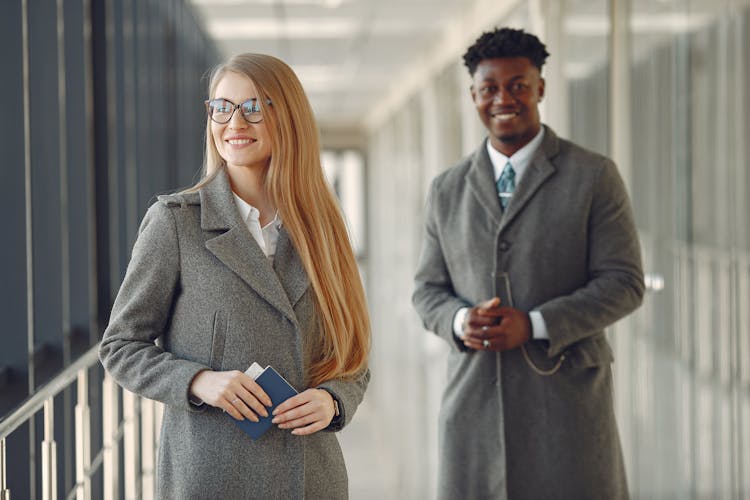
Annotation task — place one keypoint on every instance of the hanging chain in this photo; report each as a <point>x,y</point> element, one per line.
<point>539,371</point>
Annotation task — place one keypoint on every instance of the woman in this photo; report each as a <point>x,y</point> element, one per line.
<point>253,264</point>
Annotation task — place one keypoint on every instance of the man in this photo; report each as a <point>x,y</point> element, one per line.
<point>530,251</point>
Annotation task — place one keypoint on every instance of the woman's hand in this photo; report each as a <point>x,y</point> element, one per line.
<point>306,413</point>
<point>233,391</point>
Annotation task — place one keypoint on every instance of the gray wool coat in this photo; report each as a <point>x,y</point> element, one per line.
<point>568,243</point>
<point>199,293</point>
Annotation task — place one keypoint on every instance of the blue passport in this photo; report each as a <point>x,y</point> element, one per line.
<point>277,388</point>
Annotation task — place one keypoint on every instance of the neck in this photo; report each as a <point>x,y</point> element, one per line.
<point>248,184</point>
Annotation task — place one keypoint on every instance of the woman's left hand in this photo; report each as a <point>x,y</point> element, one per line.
<point>305,413</point>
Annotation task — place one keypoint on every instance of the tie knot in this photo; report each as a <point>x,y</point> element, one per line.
<point>508,171</point>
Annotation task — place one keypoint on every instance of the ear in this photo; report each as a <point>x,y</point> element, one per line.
<point>541,88</point>
<point>473,92</point>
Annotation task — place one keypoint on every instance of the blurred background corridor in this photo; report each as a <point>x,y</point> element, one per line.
<point>104,109</point>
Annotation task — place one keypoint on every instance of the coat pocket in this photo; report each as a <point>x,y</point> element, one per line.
<point>594,351</point>
<point>218,339</point>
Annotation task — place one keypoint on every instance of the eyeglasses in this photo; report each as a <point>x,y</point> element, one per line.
<point>221,110</point>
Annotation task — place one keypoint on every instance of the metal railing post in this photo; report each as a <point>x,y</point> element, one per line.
<point>158,417</point>
<point>147,449</point>
<point>49,453</point>
<point>130,444</point>
<point>83,438</point>
<point>110,429</point>
<point>4,491</point>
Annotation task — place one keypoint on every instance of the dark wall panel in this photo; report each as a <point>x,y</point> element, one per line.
<point>44,117</point>
<point>13,289</point>
<point>113,119</point>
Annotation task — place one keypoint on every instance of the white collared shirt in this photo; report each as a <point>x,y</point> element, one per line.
<point>265,236</point>
<point>520,160</point>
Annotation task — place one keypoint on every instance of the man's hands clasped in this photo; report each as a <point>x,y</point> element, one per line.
<point>489,326</point>
<point>241,397</point>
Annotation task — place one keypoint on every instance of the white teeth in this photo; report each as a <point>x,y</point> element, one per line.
<point>504,116</point>
<point>238,141</point>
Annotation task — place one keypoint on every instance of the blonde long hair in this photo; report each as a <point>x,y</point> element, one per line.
<point>308,209</point>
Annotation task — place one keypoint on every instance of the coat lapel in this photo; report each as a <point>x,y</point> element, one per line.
<point>289,268</point>
<point>537,173</point>
<point>236,248</point>
<point>481,180</point>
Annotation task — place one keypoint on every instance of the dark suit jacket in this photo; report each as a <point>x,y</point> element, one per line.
<point>570,248</point>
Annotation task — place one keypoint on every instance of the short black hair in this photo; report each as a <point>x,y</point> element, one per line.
<point>505,42</point>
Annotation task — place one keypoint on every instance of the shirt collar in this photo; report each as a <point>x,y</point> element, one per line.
<point>247,211</point>
<point>520,159</point>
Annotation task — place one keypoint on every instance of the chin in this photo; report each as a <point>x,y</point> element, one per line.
<point>508,138</point>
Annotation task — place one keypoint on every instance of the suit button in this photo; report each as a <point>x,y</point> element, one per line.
<point>503,246</point>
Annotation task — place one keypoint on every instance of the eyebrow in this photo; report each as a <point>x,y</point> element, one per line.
<point>243,100</point>
<point>512,78</point>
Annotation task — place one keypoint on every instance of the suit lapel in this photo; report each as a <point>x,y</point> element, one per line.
<point>236,248</point>
<point>289,268</point>
<point>481,180</point>
<point>536,174</point>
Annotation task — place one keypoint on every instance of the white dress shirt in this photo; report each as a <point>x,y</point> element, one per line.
<point>265,236</point>
<point>520,160</point>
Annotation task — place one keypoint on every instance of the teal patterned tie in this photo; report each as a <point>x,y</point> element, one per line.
<point>506,184</point>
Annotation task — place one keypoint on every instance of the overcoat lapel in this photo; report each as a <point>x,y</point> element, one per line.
<point>537,173</point>
<point>289,268</point>
<point>236,248</point>
<point>481,180</point>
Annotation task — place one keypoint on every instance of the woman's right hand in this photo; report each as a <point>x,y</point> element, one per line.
<point>233,391</point>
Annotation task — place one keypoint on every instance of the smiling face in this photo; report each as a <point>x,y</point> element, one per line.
<point>239,143</point>
<point>506,92</point>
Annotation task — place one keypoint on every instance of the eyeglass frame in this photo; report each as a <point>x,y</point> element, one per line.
<point>235,107</point>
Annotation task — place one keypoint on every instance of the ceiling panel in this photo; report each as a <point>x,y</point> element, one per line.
<point>347,53</point>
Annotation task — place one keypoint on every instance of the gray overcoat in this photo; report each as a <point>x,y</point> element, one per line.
<point>568,243</point>
<point>199,293</point>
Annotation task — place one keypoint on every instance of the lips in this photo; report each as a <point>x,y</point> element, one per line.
<point>504,115</point>
<point>239,141</point>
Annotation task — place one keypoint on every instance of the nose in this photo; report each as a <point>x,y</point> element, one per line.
<point>237,120</point>
<point>502,95</point>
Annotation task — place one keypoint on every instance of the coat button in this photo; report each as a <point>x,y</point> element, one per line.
<point>503,246</point>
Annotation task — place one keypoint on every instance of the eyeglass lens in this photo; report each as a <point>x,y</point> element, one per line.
<point>221,110</point>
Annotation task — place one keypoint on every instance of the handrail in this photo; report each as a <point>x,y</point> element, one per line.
<point>22,414</point>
